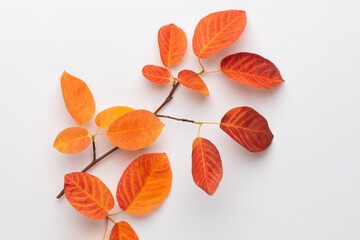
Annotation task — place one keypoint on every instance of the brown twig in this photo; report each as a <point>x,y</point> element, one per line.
<point>179,119</point>
<point>168,99</point>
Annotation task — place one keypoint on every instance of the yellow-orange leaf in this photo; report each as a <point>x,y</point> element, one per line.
<point>248,128</point>
<point>145,184</point>
<point>78,98</point>
<point>88,194</point>
<point>172,44</point>
<point>72,140</point>
<point>251,69</point>
<point>193,81</point>
<point>108,116</point>
<point>217,31</point>
<point>135,130</point>
<point>207,168</point>
<point>156,74</point>
<point>123,231</point>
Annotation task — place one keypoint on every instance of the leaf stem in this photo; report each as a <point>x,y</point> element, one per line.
<point>107,222</point>
<point>94,147</point>
<point>110,219</point>
<point>212,72</point>
<point>199,129</point>
<point>115,213</point>
<point>202,67</point>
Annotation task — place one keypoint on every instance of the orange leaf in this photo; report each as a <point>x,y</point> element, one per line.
<point>156,74</point>
<point>145,184</point>
<point>207,168</point>
<point>123,231</point>
<point>108,116</point>
<point>88,194</point>
<point>248,128</point>
<point>135,130</point>
<point>172,44</point>
<point>193,81</point>
<point>217,31</point>
<point>78,98</point>
<point>72,140</point>
<point>251,69</point>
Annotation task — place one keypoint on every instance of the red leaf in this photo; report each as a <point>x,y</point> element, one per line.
<point>156,74</point>
<point>193,81</point>
<point>88,194</point>
<point>206,165</point>
<point>145,184</point>
<point>123,231</point>
<point>248,128</point>
<point>251,69</point>
<point>217,31</point>
<point>172,44</point>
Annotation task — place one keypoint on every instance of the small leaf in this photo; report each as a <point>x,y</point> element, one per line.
<point>78,98</point>
<point>88,194</point>
<point>108,116</point>
<point>207,168</point>
<point>217,31</point>
<point>145,184</point>
<point>193,81</point>
<point>135,130</point>
<point>72,140</point>
<point>251,69</point>
<point>156,74</point>
<point>248,128</point>
<point>172,44</point>
<point>123,231</point>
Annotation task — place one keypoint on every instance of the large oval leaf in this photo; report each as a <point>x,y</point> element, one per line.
<point>217,31</point>
<point>88,194</point>
<point>156,74</point>
<point>108,116</point>
<point>135,130</point>
<point>207,168</point>
<point>251,69</point>
<point>123,231</point>
<point>145,184</point>
<point>172,44</point>
<point>72,140</point>
<point>78,98</point>
<point>193,81</point>
<point>248,128</point>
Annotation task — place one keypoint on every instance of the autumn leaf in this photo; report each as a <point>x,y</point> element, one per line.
<point>78,98</point>
<point>108,116</point>
<point>123,231</point>
<point>145,184</point>
<point>193,81</point>
<point>251,69</point>
<point>172,44</point>
<point>72,140</point>
<point>217,31</point>
<point>207,168</point>
<point>135,130</point>
<point>88,194</point>
<point>248,128</point>
<point>156,74</point>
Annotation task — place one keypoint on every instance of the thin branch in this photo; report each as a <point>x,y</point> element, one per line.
<point>90,165</point>
<point>94,147</point>
<point>168,99</point>
<point>179,119</point>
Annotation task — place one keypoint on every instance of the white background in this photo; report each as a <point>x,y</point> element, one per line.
<point>305,186</point>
